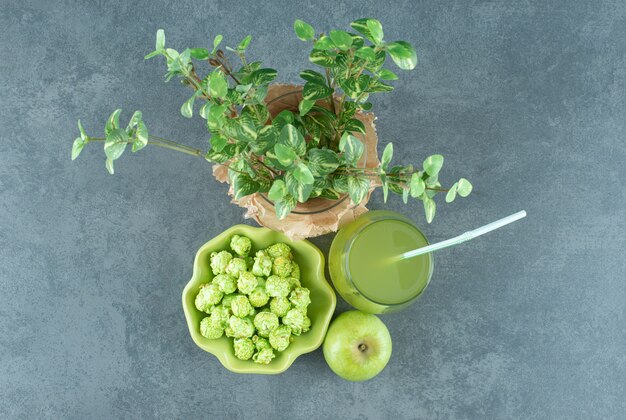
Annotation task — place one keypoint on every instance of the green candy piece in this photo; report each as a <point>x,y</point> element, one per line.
<point>262,264</point>
<point>247,282</point>
<point>244,348</point>
<point>241,245</point>
<point>258,297</point>
<point>294,319</point>
<point>280,337</point>
<point>226,283</point>
<point>219,261</point>
<point>264,356</point>
<point>208,296</point>
<point>282,266</point>
<point>228,299</point>
<point>265,322</point>
<point>300,297</point>
<point>210,329</point>
<point>295,270</point>
<point>236,266</point>
<point>261,343</point>
<point>276,286</point>
<point>241,307</point>
<point>280,306</point>
<point>279,250</point>
<point>220,315</point>
<point>306,326</point>
<point>240,327</point>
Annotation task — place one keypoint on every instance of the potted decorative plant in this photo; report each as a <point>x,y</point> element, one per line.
<point>285,149</point>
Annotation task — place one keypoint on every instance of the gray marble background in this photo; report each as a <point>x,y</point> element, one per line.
<point>525,98</point>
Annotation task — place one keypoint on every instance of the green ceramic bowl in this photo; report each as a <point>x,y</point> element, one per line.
<point>323,300</point>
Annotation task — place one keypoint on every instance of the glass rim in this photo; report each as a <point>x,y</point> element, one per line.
<point>385,215</point>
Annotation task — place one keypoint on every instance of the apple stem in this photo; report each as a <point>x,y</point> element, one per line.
<point>362,347</point>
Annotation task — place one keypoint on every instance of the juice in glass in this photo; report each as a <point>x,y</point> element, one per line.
<point>360,266</point>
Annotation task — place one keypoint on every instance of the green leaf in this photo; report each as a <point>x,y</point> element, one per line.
<point>303,174</point>
<point>217,85</point>
<point>360,25</point>
<point>218,142</point>
<point>291,137</point>
<point>313,91</point>
<point>222,156</point>
<point>465,187</point>
<point>405,195</point>
<point>417,185</point>
<point>387,156</point>
<point>429,208</point>
<point>113,122</point>
<point>340,183</point>
<point>353,125</point>
<point>187,108</point>
<point>266,139</point>
<point>284,206</point>
<point>378,86</point>
<point>303,30</point>
<point>296,188</point>
<point>160,40</point>
<point>141,135</point>
<point>284,154</point>
<point>376,30</point>
<point>330,194</point>
<point>321,58</point>
<point>432,165</point>
<point>278,190</point>
<point>305,106</point>
<point>387,75</point>
<point>109,165</point>
<point>451,195</point>
<point>77,147</point>
<point>244,185</point>
<point>313,76</point>
<point>115,143</point>
<point>199,53</point>
<point>134,120</point>
<point>216,42</point>
<point>323,161</point>
<point>385,184</point>
<point>84,135</point>
<point>263,76</point>
<point>244,44</point>
<point>324,43</point>
<point>358,188</point>
<point>367,53</point>
<point>402,54</point>
<point>352,148</point>
<point>215,116</point>
<point>341,39</point>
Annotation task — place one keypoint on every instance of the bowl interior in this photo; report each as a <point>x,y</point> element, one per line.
<point>322,306</point>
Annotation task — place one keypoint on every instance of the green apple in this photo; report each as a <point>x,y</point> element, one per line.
<point>357,346</point>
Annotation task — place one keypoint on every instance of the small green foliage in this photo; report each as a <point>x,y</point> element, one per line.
<point>315,151</point>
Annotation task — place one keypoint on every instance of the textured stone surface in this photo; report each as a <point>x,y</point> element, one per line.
<point>525,98</point>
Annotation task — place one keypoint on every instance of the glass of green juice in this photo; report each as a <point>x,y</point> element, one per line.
<point>360,266</point>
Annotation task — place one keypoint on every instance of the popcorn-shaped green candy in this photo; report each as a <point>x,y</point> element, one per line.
<point>279,250</point>
<point>240,306</point>
<point>226,283</point>
<point>258,297</point>
<point>244,348</point>
<point>277,286</point>
<point>260,281</point>
<point>293,283</point>
<point>265,322</point>
<point>210,329</point>
<point>280,306</point>
<point>295,320</point>
<point>246,282</point>
<point>264,356</point>
<point>208,296</point>
<point>235,267</point>
<point>262,264</point>
<point>240,327</point>
<point>219,261</point>
<point>295,270</point>
<point>220,315</point>
<point>228,299</point>
<point>306,325</point>
<point>241,245</point>
<point>261,343</point>
<point>300,297</point>
<point>280,337</point>
<point>281,266</point>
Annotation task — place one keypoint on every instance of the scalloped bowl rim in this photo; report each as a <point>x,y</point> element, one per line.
<point>320,283</point>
